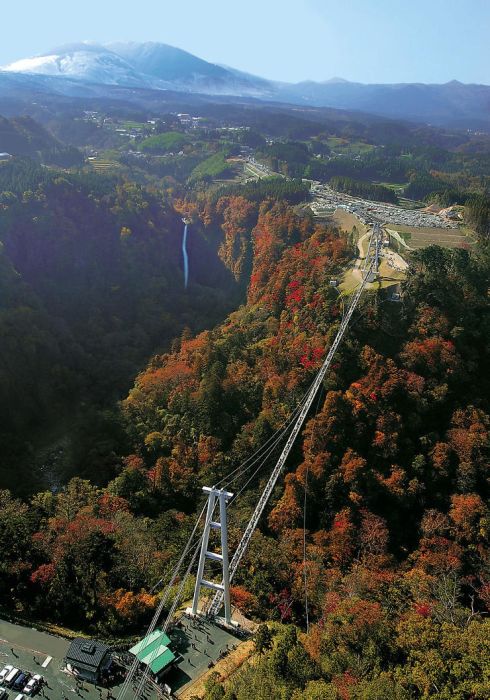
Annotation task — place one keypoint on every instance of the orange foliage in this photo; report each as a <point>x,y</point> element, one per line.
<point>133,462</point>
<point>109,505</point>
<point>237,213</point>
<point>430,322</point>
<point>132,606</point>
<point>467,510</point>
<point>433,356</point>
<point>352,466</point>
<point>287,511</point>
<point>245,601</point>
<point>207,449</point>
<point>441,455</point>
<point>438,555</point>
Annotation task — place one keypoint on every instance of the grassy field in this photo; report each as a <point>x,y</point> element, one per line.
<point>340,145</point>
<point>346,221</point>
<point>415,237</point>
<point>421,237</point>
<point>134,125</point>
<point>395,186</point>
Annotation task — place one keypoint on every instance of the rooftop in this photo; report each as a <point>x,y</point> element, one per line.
<point>88,652</point>
<point>153,651</point>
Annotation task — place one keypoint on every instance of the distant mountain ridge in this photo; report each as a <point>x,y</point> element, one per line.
<point>78,69</point>
<point>148,65</point>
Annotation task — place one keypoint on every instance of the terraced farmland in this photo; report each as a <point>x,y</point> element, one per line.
<point>104,166</point>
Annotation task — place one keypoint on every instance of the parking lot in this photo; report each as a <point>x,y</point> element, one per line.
<point>326,200</point>
<point>37,652</point>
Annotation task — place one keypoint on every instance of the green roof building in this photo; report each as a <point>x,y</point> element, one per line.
<point>154,651</point>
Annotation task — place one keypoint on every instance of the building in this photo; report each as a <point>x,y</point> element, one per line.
<point>88,659</point>
<point>5,156</point>
<point>154,652</point>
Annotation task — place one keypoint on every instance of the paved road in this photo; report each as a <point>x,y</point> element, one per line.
<point>31,640</point>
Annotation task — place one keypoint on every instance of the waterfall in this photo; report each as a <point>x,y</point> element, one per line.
<point>185,256</point>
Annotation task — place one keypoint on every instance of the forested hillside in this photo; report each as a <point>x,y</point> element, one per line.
<point>122,392</point>
<point>91,285</point>
<point>357,188</point>
<point>23,136</point>
<point>394,465</point>
<point>383,513</point>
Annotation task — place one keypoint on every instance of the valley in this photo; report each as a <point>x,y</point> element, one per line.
<point>175,270</point>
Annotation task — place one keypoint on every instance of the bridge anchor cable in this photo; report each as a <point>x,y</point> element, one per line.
<point>370,269</point>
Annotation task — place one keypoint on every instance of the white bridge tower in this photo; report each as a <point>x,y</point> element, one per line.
<point>223,588</point>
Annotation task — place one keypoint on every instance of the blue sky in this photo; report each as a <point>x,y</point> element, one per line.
<point>291,40</point>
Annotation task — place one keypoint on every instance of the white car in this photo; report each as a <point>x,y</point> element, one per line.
<point>3,693</point>
<point>11,676</point>
<point>4,673</point>
<point>33,684</point>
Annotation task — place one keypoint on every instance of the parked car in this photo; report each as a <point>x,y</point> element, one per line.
<point>11,676</point>
<point>4,672</point>
<point>33,685</point>
<point>21,680</point>
<point>3,693</point>
<point>20,696</point>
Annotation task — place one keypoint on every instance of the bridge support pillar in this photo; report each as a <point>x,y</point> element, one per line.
<point>221,497</point>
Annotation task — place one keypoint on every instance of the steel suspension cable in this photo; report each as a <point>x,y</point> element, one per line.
<point>218,598</point>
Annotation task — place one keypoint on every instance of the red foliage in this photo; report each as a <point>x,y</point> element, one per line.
<point>433,356</point>
<point>43,574</point>
<point>109,505</point>
<point>344,684</point>
<point>423,609</point>
<point>341,543</point>
<point>283,602</point>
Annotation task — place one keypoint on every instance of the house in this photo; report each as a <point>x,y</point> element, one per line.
<point>88,659</point>
<point>154,652</point>
<point>5,156</point>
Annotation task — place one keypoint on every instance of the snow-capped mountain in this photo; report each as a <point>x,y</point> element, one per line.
<point>149,65</point>
<point>86,69</point>
<point>88,62</point>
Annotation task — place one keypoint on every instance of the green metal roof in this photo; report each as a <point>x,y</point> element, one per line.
<point>146,641</point>
<point>162,660</point>
<point>154,651</point>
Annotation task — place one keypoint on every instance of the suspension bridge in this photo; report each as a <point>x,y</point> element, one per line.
<point>197,557</point>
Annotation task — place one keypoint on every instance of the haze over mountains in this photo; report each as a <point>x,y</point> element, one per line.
<point>80,70</point>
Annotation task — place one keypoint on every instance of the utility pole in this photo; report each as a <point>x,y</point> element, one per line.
<point>222,497</point>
